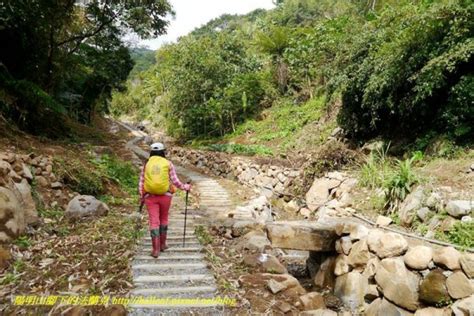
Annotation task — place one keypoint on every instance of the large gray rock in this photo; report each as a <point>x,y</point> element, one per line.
<point>418,257</point>
<point>86,206</point>
<point>387,245</point>
<point>320,191</point>
<point>398,284</point>
<point>12,214</point>
<point>28,204</point>
<point>459,208</point>
<point>413,202</point>
<point>351,288</point>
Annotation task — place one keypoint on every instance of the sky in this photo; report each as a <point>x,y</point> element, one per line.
<point>194,13</point>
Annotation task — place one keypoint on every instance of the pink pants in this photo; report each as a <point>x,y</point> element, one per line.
<point>158,207</point>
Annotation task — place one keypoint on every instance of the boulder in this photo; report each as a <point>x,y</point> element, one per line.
<point>28,204</point>
<point>382,307</point>
<point>388,245</point>
<point>432,311</point>
<point>277,283</point>
<point>412,203</point>
<point>86,206</point>
<point>302,235</point>
<point>253,241</point>
<point>56,185</point>
<point>464,307</point>
<point>398,284</point>
<point>459,208</point>
<point>265,263</point>
<point>351,288</point>
<point>418,257</point>
<point>467,264</point>
<point>447,257</point>
<point>312,301</point>
<point>12,214</point>
<point>433,288</point>
<point>320,191</point>
<point>359,255</point>
<point>459,285</point>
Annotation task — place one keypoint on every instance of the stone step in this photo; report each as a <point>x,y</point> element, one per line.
<point>175,249</point>
<point>174,237</point>
<point>178,244</point>
<point>177,308</point>
<point>158,268</point>
<point>165,256</point>
<point>173,280</point>
<point>183,292</point>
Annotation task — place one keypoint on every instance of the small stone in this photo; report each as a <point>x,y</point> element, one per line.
<point>346,244</point>
<point>275,287</point>
<point>305,212</point>
<point>358,232</point>
<point>447,257</point>
<point>325,277</point>
<point>459,208</point>
<point>312,301</point>
<point>283,306</point>
<point>466,219</point>
<point>459,285</point>
<point>56,185</point>
<point>359,255</point>
<point>433,288</point>
<point>410,205</point>
<point>467,264</point>
<point>371,267</point>
<point>424,214</point>
<point>342,265</point>
<point>372,292</point>
<point>27,173</point>
<point>5,258</point>
<point>318,312</point>
<point>418,257</point>
<point>447,224</point>
<point>434,201</point>
<point>42,181</point>
<point>383,221</point>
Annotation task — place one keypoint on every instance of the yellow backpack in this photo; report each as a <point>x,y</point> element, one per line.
<point>157,179</point>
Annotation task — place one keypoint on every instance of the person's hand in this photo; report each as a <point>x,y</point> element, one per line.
<point>187,187</point>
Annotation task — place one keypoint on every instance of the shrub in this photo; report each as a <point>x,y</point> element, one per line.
<point>411,73</point>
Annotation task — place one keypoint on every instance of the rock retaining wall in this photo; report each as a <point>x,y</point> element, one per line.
<point>381,273</point>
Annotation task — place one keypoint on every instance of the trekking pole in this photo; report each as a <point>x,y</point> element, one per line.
<point>185,217</point>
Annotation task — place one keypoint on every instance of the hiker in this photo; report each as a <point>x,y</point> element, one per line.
<point>158,183</point>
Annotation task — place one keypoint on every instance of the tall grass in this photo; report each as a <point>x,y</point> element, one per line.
<point>395,177</point>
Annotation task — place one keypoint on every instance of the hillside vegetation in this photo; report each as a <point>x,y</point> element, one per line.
<point>60,60</point>
<point>400,70</point>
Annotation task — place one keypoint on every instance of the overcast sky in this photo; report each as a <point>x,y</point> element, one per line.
<point>193,13</point>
